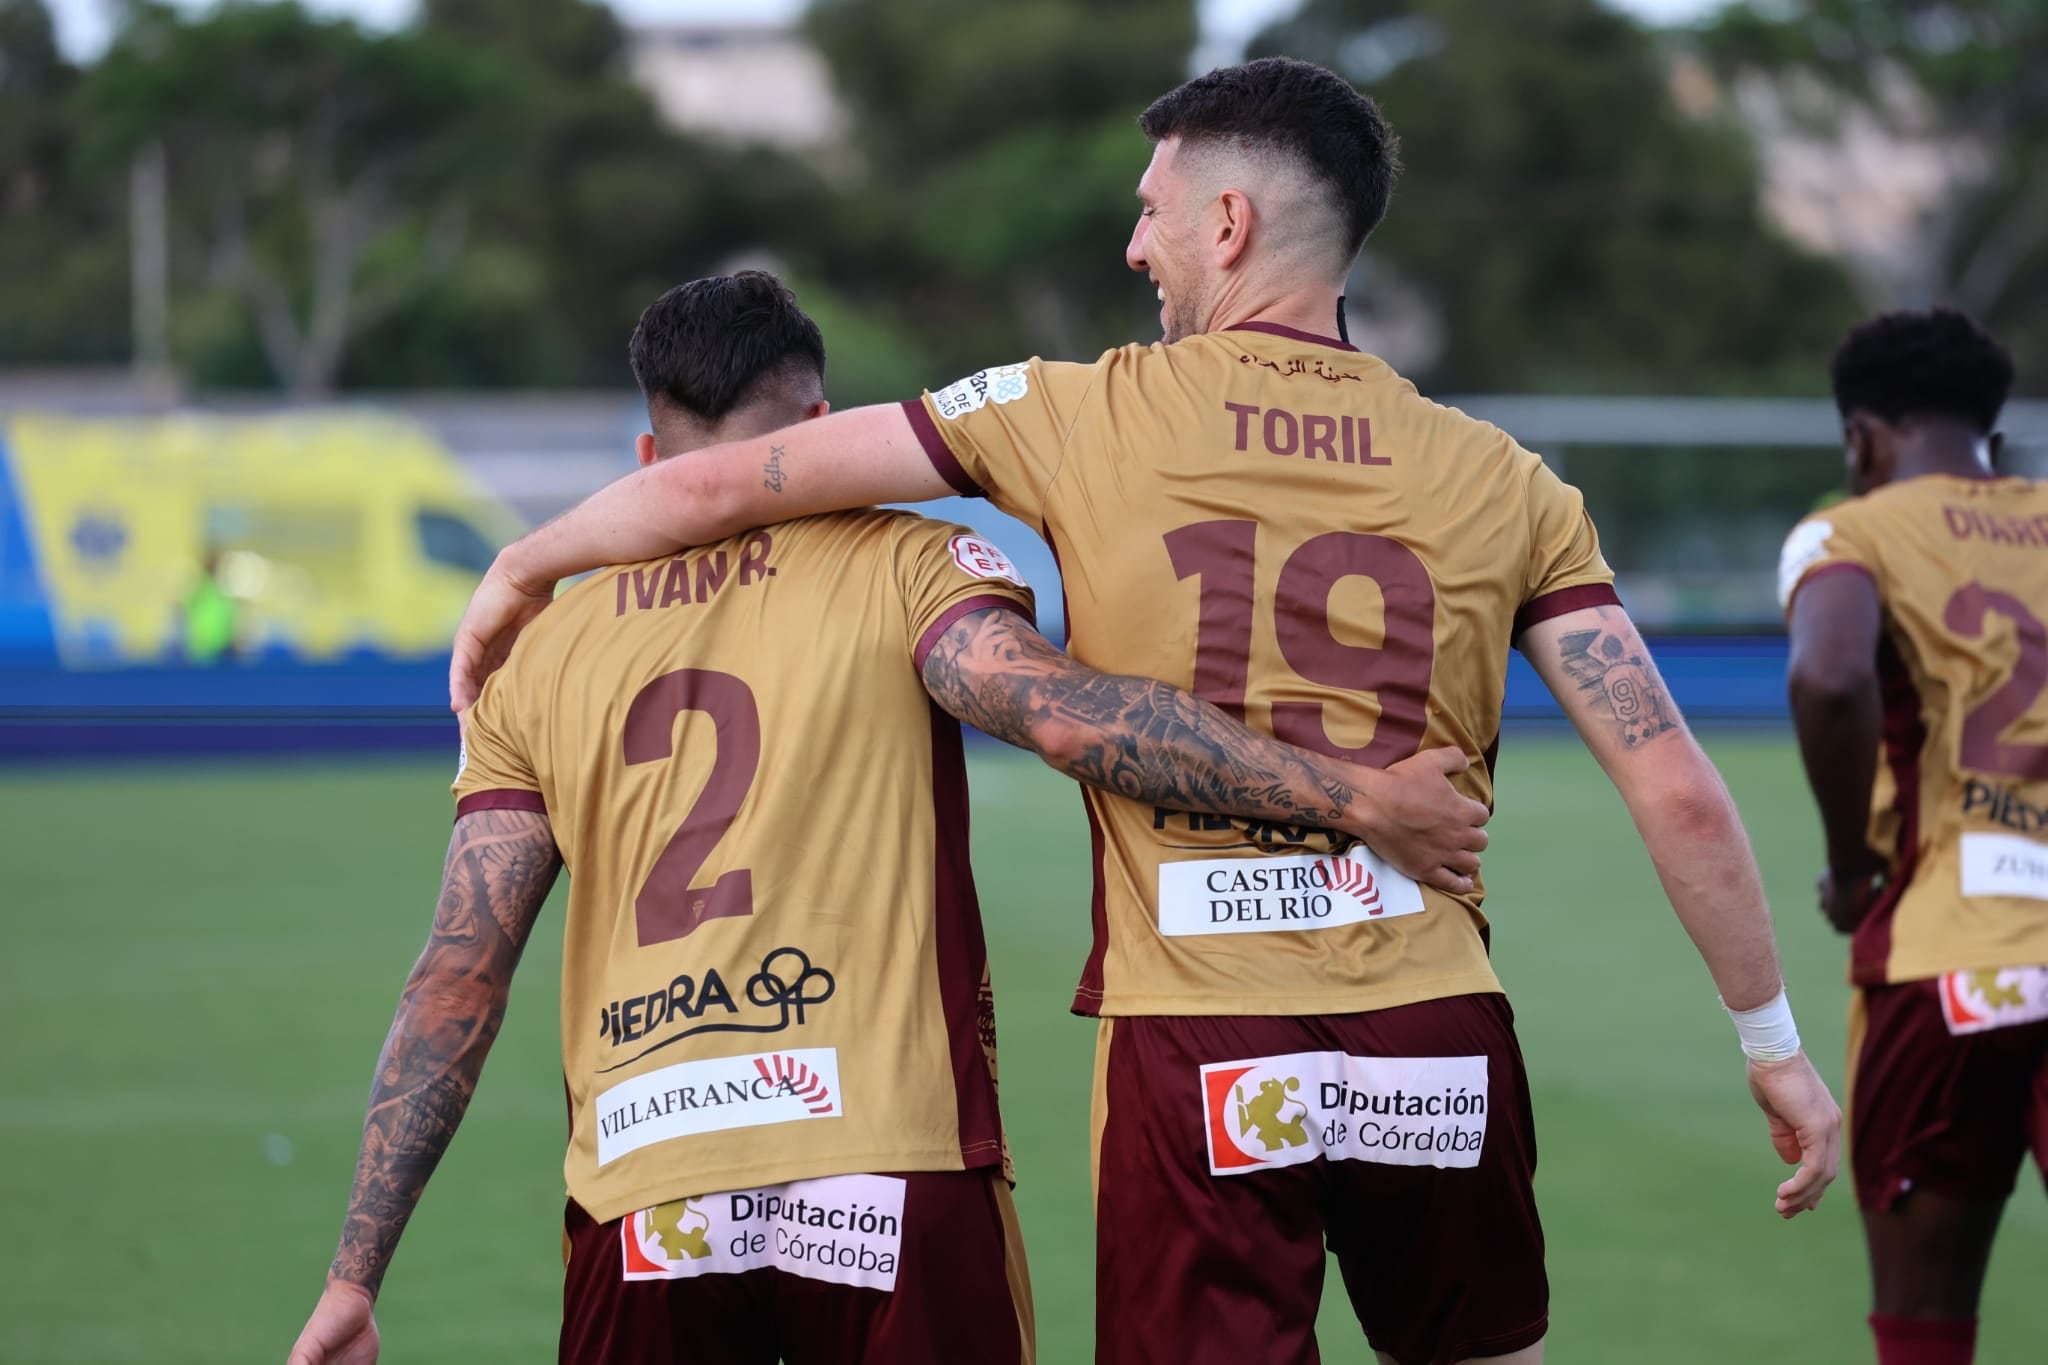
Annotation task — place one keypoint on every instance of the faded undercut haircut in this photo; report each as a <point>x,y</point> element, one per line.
<point>723,342</point>
<point>1280,110</point>
<point>1933,364</point>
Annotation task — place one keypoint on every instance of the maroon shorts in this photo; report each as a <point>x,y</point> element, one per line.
<point>1931,1109</point>
<point>1230,1150</point>
<point>919,1269</point>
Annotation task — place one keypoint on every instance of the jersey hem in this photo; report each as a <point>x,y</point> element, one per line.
<point>649,1193</point>
<point>966,606</point>
<point>500,798</point>
<point>1116,1004</point>
<point>1822,571</point>
<point>1908,973</point>
<point>1561,601</point>
<point>938,452</point>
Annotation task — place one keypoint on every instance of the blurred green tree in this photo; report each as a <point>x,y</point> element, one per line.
<point>1960,86</point>
<point>1566,222</point>
<point>998,154</point>
<point>614,205</point>
<point>299,150</point>
<point>63,236</point>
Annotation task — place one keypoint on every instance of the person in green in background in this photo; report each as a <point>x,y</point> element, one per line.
<point>209,615</point>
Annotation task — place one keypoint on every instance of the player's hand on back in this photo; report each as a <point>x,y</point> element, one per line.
<point>1806,1128</point>
<point>1413,817</point>
<point>342,1330</point>
<point>501,607</point>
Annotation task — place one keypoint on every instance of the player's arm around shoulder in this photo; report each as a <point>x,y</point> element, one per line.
<point>844,460</point>
<point>1597,666</point>
<point>1151,742</point>
<point>501,865</point>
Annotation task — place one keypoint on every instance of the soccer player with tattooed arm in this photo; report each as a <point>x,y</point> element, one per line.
<point>1919,682</point>
<point>778,1030</point>
<point>1299,1043</point>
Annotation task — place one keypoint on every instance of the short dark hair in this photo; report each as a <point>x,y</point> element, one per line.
<point>1297,109</point>
<point>1938,363</point>
<point>706,346</point>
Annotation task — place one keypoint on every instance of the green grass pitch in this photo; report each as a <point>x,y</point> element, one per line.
<point>197,965</point>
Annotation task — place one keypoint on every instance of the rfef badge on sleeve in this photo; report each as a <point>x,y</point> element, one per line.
<point>977,557</point>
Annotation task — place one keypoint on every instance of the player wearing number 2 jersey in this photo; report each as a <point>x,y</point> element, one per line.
<point>777,1029</point>
<point>1300,1043</point>
<point>1920,687</point>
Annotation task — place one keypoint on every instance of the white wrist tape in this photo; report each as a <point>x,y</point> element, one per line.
<point>1767,1032</point>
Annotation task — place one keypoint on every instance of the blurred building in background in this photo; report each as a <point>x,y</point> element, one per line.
<point>258,356</point>
<point>739,83</point>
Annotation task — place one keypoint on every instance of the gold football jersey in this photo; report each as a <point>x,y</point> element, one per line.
<point>773,965</point>
<point>1283,525</point>
<point>1961,807</point>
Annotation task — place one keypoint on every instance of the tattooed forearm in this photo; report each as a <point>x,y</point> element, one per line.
<point>1133,736</point>
<point>501,865</point>
<point>772,477</point>
<point>1614,674</point>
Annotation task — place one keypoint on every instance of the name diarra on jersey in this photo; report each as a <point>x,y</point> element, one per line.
<point>1969,523</point>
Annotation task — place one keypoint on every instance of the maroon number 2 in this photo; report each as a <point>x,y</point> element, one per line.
<point>668,907</point>
<point>1222,555</point>
<point>1982,746</point>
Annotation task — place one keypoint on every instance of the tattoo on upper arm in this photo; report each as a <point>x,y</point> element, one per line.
<point>1613,671</point>
<point>501,865</point>
<point>772,476</point>
<point>1139,738</point>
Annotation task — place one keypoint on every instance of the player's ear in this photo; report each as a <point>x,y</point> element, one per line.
<point>1232,235</point>
<point>815,411</point>
<point>643,446</point>
<point>1859,457</point>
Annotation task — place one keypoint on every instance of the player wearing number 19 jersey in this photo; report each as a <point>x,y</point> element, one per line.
<point>1300,1045</point>
<point>777,1031</point>
<point>1920,687</point>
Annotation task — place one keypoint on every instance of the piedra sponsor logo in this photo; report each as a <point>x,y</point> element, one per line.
<point>787,985</point>
<point>1266,895</point>
<point>845,1229</point>
<point>2005,806</point>
<point>1398,1111</point>
<point>716,1094</point>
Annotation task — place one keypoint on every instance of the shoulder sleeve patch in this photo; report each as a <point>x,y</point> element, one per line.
<point>1804,548</point>
<point>981,559</point>
<point>999,384</point>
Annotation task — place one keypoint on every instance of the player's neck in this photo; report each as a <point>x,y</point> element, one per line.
<point>1312,310</point>
<point>1950,453</point>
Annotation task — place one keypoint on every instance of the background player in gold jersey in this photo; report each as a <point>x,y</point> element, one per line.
<point>784,1140</point>
<point>1299,1043</point>
<point>1919,682</point>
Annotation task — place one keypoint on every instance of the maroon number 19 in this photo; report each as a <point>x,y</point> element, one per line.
<point>1222,555</point>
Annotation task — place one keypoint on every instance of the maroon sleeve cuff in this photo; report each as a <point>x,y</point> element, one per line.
<point>938,452</point>
<point>1833,567</point>
<point>503,799</point>
<point>1539,609</point>
<point>966,606</point>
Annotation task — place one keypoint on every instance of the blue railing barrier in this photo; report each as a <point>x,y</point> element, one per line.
<point>372,705</point>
